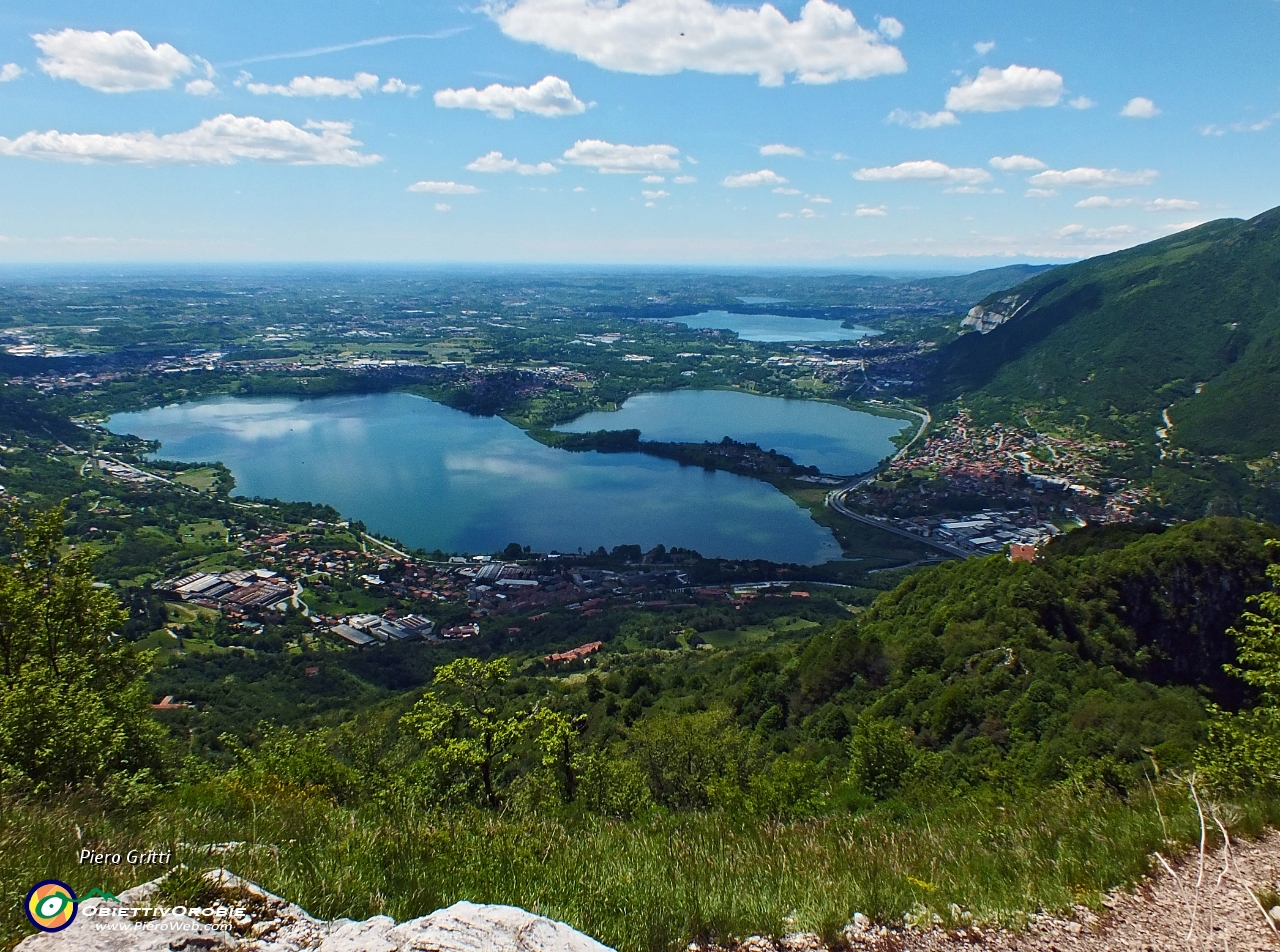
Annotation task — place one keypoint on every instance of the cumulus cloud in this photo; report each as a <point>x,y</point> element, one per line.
<point>1104,201</point>
<point>867,211</point>
<point>496,162</point>
<point>1081,102</point>
<point>654,179</point>
<point>778,148</point>
<point>684,180</point>
<point>659,37</point>
<point>549,97</point>
<point>1092,178</point>
<point>925,170</point>
<point>655,194</point>
<point>443,188</point>
<point>121,62</point>
<point>890,27</point>
<point>1140,107</point>
<point>922,120</point>
<point>1041,192</point>
<point>753,179</point>
<point>201,87</point>
<point>1017,163</point>
<point>607,158</point>
<point>786,191</point>
<point>1001,90</point>
<point>983,47</point>
<point>219,141</point>
<point>443,207</point>
<point>1096,234</point>
<point>317,86</point>
<point>1155,205</point>
<point>394,85</point>
<point>10,71</point>
<point>819,199</point>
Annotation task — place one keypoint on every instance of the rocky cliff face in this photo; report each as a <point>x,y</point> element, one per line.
<point>247,918</point>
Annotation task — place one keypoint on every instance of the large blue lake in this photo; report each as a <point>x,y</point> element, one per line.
<point>435,477</point>
<point>774,328</point>
<point>833,438</point>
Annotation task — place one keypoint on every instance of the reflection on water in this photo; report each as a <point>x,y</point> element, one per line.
<point>435,477</point>
<point>835,439</point>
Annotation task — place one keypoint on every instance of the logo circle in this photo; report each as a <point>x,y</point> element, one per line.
<point>51,905</point>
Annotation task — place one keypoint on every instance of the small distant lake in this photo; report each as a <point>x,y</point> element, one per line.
<point>774,328</point>
<point>748,299</point>
<point>833,438</point>
<point>435,477</point>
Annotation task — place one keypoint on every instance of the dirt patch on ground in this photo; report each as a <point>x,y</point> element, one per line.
<point>1215,901</point>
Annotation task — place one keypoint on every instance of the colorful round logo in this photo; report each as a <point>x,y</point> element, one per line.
<point>51,905</point>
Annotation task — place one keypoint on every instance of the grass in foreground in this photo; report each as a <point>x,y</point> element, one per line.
<point>638,886</point>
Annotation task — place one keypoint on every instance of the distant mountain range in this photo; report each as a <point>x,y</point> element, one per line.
<point>1188,325</point>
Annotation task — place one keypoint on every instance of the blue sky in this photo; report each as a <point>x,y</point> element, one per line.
<point>645,131</point>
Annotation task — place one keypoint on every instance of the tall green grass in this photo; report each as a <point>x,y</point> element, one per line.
<point>640,886</point>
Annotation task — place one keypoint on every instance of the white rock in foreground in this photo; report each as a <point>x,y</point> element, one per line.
<point>463,927</point>
<point>281,926</point>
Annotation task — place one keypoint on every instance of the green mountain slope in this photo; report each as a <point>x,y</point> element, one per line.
<point>1190,323</point>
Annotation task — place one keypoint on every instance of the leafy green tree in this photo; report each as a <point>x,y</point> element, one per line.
<point>460,719</point>
<point>880,754</point>
<point>73,705</point>
<point>558,744</point>
<point>687,755</point>
<point>1242,751</point>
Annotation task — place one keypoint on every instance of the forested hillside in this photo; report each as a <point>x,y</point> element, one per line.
<point>1190,322</point>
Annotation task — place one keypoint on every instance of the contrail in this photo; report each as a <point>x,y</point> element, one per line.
<point>376,41</point>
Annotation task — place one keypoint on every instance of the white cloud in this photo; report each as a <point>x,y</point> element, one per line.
<point>684,180</point>
<point>1096,234</point>
<point>443,207</point>
<point>965,190</point>
<point>656,194</point>
<point>890,27</point>
<point>1155,205</point>
<point>654,179</point>
<point>394,85</point>
<point>926,170</point>
<point>1041,192</point>
<point>660,37</point>
<point>443,188</point>
<point>1103,201</point>
<point>819,199</point>
<point>315,86</point>
<point>605,157</point>
<point>1000,90</point>
<point>1016,163</point>
<point>809,213</point>
<point>778,148</point>
<point>1081,102</point>
<point>786,215</point>
<point>218,141</point>
<point>865,211</point>
<point>495,162</point>
<point>786,191</point>
<point>1140,107</point>
<point>839,157</point>
<point>202,87</point>
<point>753,179</point>
<point>10,71</point>
<point>922,120</point>
<point>1092,178</point>
<point>983,47</point>
<point>120,62</point>
<point>549,97</point>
